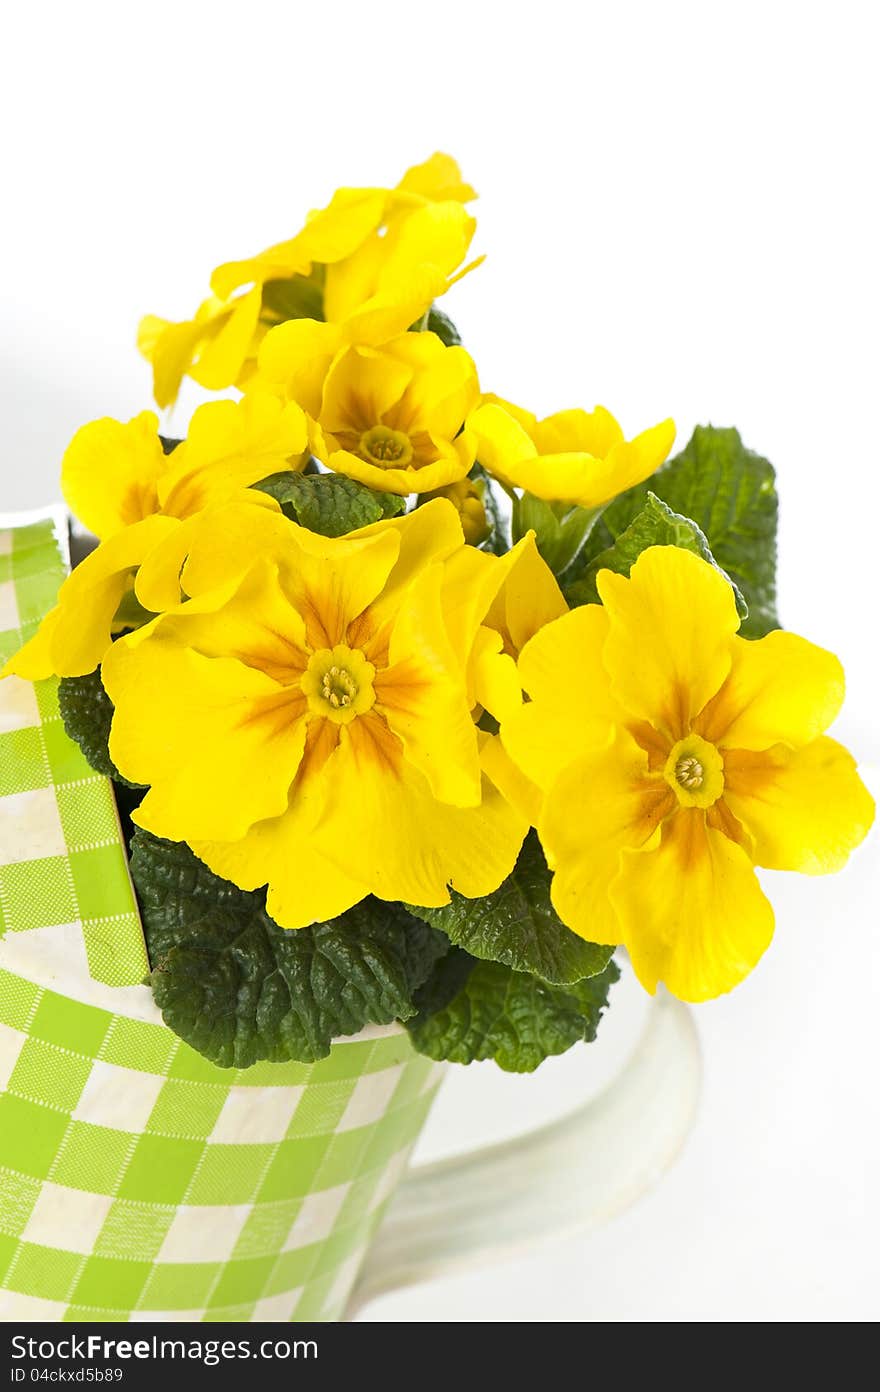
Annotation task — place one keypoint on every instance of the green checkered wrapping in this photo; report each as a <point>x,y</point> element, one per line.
<point>137,1181</point>
<point>62,860</point>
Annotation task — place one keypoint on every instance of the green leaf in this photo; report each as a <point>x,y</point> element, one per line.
<point>518,926</point>
<point>238,988</point>
<point>441,325</point>
<point>296,297</point>
<point>655,525</point>
<point>444,983</point>
<point>561,529</point>
<point>730,493</point>
<point>508,1016</point>
<point>86,711</point>
<point>329,504</point>
<point>169,445</point>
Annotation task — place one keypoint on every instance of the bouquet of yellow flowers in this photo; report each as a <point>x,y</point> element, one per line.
<point>417,705</point>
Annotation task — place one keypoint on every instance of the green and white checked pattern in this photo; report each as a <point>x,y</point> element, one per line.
<point>62,861</point>
<point>137,1181</point>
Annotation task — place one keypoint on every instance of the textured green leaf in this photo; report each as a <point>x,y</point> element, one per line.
<point>518,925</point>
<point>730,493</point>
<point>496,1013</point>
<point>330,504</point>
<point>655,525</point>
<point>86,711</point>
<point>444,983</point>
<point>561,529</point>
<point>295,297</point>
<point>238,988</point>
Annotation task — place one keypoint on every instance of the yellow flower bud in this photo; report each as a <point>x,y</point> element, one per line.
<point>466,497</point>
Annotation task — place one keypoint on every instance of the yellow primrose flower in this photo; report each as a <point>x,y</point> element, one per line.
<point>670,756</point>
<point>373,261</point>
<point>114,474</point>
<point>388,416</point>
<point>215,347</point>
<point>466,497</point>
<point>574,456</point>
<point>74,635</point>
<point>118,481</point>
<point>308,726</point>
<point>352,217</point>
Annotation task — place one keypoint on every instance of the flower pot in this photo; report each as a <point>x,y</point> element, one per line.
<point>139,1182</point>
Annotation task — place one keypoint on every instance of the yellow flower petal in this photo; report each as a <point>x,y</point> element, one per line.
<point>691,910</point>
<point>422,695</point>
<point>223,353</point>
<point>414,259</point>
<point>229,446</point>
<point>110,471</point>
<point>474,581</point>
<point>75,635</point>
<point>295,358</point>
<point>390,311</point>
<point>502,443</point>
<point>442,389</point>
<point>150,330</point>
<point>572,710</point>
<point>408,845</point>
<point>438,178</point>
<point>253,621</point>
<point>529,597</point>
<point>585,459</point>
<point>423,479</point>
<point>575,456</point>
<point>209,549</point>
<point>594,433</point>
<point>668,648</point>
<point>360,387</point>
<point>171,348</point>
<point>304,887</point>
<point>436,235</point>
<point>429,533</point>
<point>336,231</point>
<point>219,741</point>
<point>807,809</point>
<point>33,661</point>
<point>527,419</point>
<point>619,806</point>
<point>562,666</point>
<point>780,688</point>
<point>329,235</point>
<point>494,676</point>
<point>332,580</point>
<point>508,777</point>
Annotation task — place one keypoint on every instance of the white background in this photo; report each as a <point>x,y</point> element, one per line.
<point>680,210</point>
